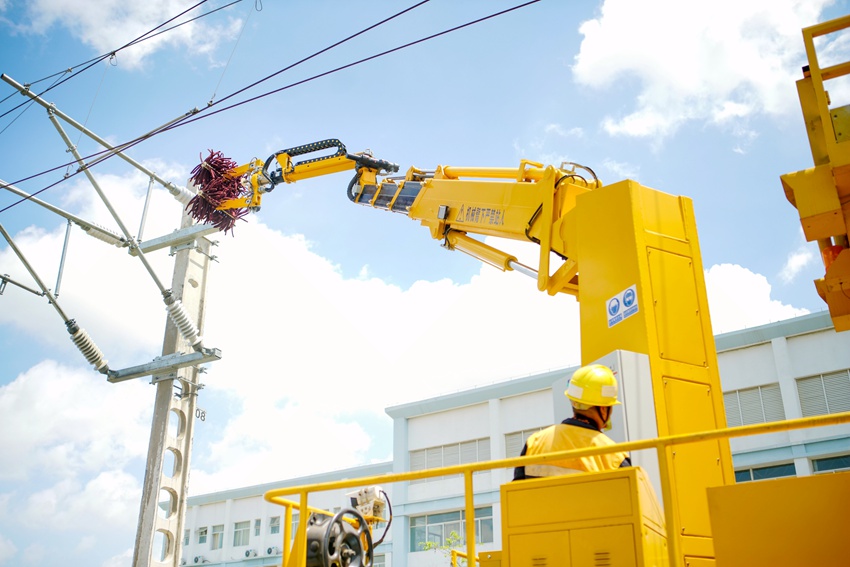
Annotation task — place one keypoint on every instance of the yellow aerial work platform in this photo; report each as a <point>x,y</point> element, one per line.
<point>592,519</point>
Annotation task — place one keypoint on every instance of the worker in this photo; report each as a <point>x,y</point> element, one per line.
<point>592,391</point>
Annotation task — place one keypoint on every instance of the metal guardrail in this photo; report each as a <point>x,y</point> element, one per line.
<point>467,470</point>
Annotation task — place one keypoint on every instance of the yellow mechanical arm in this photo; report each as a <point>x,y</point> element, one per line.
<point>528,202</point>
<point>821,194</point>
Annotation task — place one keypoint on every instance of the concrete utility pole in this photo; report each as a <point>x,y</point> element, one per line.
<point>175,373</point>
<point>159,535</point>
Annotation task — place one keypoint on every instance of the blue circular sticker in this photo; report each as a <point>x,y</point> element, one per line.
<point>613,306</point>
<point>629,298</point>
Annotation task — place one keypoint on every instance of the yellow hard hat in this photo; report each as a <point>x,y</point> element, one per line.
<point>593,385</point>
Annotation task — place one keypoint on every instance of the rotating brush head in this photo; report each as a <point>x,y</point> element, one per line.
<point>215,187</point>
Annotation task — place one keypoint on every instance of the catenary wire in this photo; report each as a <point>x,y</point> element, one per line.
<point>131,143</point>
<point>347,66</point>
<point>27,103</point>
<point>94,61</point>
<point>105,154</point>
<point>232,51</point>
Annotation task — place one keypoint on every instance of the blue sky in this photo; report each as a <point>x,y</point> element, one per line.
<point>325,309</point>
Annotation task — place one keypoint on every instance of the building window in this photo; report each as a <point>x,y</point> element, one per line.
<point>274,525</point>
<point>514,442</point>
<point>753,405</point>
<point>202,535</point>
<point>217,537</point>
<point>825,393</point>
<point>186,535</point>
<point>257,526</point>
<point>241,533</point>
<point>439,529</point>
<point>379,561</point>
<point>447,455</point>
<point>831,464</point>
<point>764,473</point>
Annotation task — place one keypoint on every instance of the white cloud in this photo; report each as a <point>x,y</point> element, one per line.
<point>739,298</point>
<point>34,554</point>
<point>103,287</point>
<point>557,129</point>
<point>110,500</point>
<point>335,347</point>
<point>68,421</point>
<point>796,261</point>
<point>86,543</point>
<point>714,62</point>
<point>106,25</point>
<point>121,560</point>
<point>7,550</point>
<point>621,170</point>
<point>252,451</point>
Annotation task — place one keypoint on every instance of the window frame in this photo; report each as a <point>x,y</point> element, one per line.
<point>439,456</point>
<point>438,526</point>
<point>217,539</point>
<point>765,470</point>
<point>831,470</point>
<point>241,531</point>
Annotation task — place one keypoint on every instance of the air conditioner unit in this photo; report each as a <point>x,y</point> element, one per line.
<point>272,551</point>
<point>250,553</point>
<point>199,559</point>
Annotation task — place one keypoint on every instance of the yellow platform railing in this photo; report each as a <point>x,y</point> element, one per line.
<point>467,470</point>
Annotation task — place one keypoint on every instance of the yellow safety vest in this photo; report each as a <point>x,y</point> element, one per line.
<point>562,437</point>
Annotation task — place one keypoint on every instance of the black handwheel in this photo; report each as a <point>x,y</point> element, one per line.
<point>345,545</point>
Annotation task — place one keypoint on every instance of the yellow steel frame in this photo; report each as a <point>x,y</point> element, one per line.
<point>821,194</point>
<point>294,557</point>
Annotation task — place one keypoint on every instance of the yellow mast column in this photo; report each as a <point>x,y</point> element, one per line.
<point>642,289</point>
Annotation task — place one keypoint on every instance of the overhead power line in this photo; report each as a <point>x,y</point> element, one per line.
<point>95,60</point>
<point>106,154</point>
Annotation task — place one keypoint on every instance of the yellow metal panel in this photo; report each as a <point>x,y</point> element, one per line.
<point>697,465</point>
<point>546,549</point>
<point>655,552</point>
<point>587,501</point>
<point>700,562</point>
<point>841,123</point>
<point>610,260</point>
<point>834,288</point>
<point>662,214</point>
<point>782,522</point>
<point>603,546</point>
<point>495,208</point>
<point>678,312</point>
<point>816,199</point>
<point>490,559</point>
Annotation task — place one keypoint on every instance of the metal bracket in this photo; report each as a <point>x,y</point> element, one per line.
<point>176,238</point>
<point>193,245</point>
<point>165,367</point>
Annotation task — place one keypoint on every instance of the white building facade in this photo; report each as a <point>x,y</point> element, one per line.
<point>794,368</point>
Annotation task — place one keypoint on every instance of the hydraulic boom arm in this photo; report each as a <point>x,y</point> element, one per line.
<point>528,202</point>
